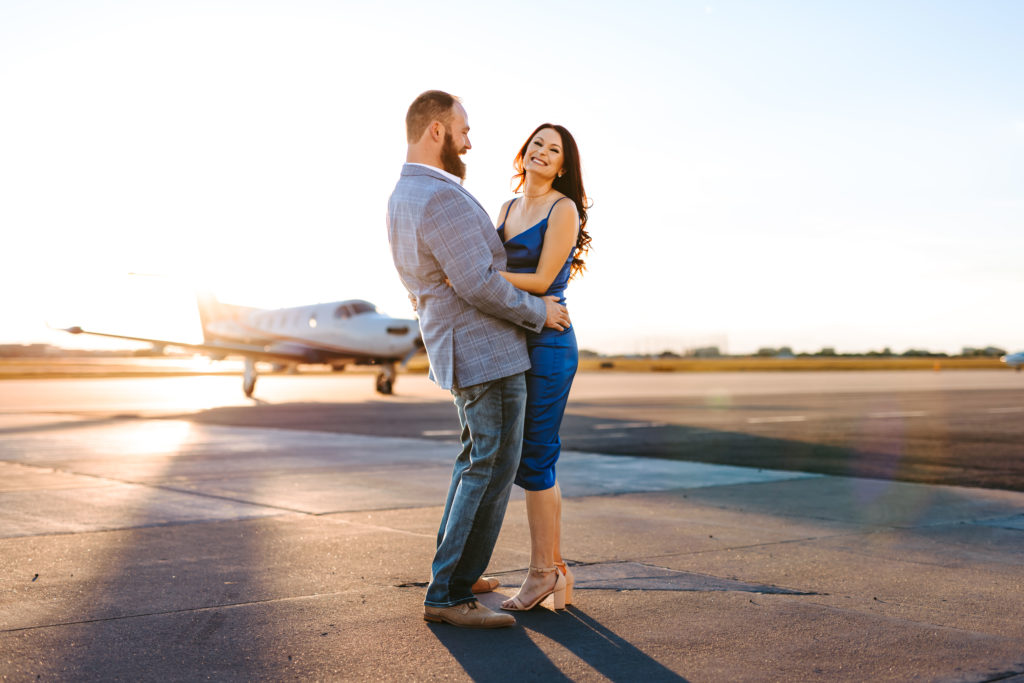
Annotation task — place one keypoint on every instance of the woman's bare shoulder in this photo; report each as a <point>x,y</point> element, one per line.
<point>564,210</point>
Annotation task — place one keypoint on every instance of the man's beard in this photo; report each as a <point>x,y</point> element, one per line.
<point>450,159</point>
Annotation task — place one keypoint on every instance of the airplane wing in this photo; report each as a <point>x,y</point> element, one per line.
<point>249,351</point>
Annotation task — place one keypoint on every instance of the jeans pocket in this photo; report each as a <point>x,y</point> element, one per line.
<point>470,393</point>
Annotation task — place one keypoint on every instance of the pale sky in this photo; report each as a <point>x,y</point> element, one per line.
<point>809,174</point>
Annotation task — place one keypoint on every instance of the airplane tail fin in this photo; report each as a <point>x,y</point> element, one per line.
<point>209,310</point>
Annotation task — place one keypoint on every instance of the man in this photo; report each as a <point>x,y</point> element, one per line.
<point>474,334</point>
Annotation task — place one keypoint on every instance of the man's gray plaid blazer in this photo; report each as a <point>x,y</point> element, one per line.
<point>474,330</point>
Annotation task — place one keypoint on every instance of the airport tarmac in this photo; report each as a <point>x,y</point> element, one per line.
<point>962,427</point>
<point>169,529</point>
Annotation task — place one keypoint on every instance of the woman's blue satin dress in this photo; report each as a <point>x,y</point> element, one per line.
<point>554,357</point>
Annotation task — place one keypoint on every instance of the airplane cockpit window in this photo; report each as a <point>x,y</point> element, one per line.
<point>351,308</point>
<point>362,307</point>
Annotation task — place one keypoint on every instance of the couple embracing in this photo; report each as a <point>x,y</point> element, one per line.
<point>497,335</point>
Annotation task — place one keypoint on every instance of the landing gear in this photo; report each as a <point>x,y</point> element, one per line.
<point>249,378</point>
<point>386,379</point>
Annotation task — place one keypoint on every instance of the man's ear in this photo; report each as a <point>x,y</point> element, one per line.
<point>436,131</point>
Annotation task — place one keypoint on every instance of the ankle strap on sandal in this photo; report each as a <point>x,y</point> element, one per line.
<point>543,570</point>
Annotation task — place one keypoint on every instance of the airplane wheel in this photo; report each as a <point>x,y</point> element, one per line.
<point>249,377</point>
<point>384,385</point>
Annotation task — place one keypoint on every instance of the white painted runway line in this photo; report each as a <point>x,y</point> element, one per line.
<point>898,413</point>
<point>442,432</point>
<point>779,418</point>
<point>629,425</point>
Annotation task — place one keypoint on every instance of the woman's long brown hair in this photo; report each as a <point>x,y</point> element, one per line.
<point>569,183</point>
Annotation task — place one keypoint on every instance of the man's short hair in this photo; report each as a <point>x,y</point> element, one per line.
<point>433,105</point>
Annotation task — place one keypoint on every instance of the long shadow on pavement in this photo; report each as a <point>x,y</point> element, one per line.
<point>147,592</point>
<point>511,653</point>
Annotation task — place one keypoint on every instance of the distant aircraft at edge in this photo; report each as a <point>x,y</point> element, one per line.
<point>1014,360</point>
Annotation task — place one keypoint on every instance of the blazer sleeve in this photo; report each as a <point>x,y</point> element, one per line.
<point>450,230</point>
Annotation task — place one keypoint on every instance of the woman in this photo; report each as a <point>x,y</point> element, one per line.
<point>544,233</point>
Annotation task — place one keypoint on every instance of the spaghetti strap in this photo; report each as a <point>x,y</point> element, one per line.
<point>507,209</point>
<point>551,209</point>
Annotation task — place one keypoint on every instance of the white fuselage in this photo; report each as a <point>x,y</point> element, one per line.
<point>341,329</point>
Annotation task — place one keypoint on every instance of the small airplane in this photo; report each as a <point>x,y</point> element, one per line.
<point>335,334</point>
<point>1014,360</point>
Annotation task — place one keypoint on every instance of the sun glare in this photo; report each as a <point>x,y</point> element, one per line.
<point>145,439</point>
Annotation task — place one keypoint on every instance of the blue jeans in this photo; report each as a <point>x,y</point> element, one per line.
<point>492,436</point>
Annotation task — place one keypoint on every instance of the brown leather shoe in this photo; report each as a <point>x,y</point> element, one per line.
<point>468,615</point>
<point>485,584</point>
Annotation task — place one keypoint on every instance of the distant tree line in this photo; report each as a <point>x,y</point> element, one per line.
<point>824,352</point>
<point>49,351</point>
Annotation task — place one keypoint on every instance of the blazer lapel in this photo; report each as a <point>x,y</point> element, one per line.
<point>416,169</point>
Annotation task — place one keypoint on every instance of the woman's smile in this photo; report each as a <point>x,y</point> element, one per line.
<point>545,152</point>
